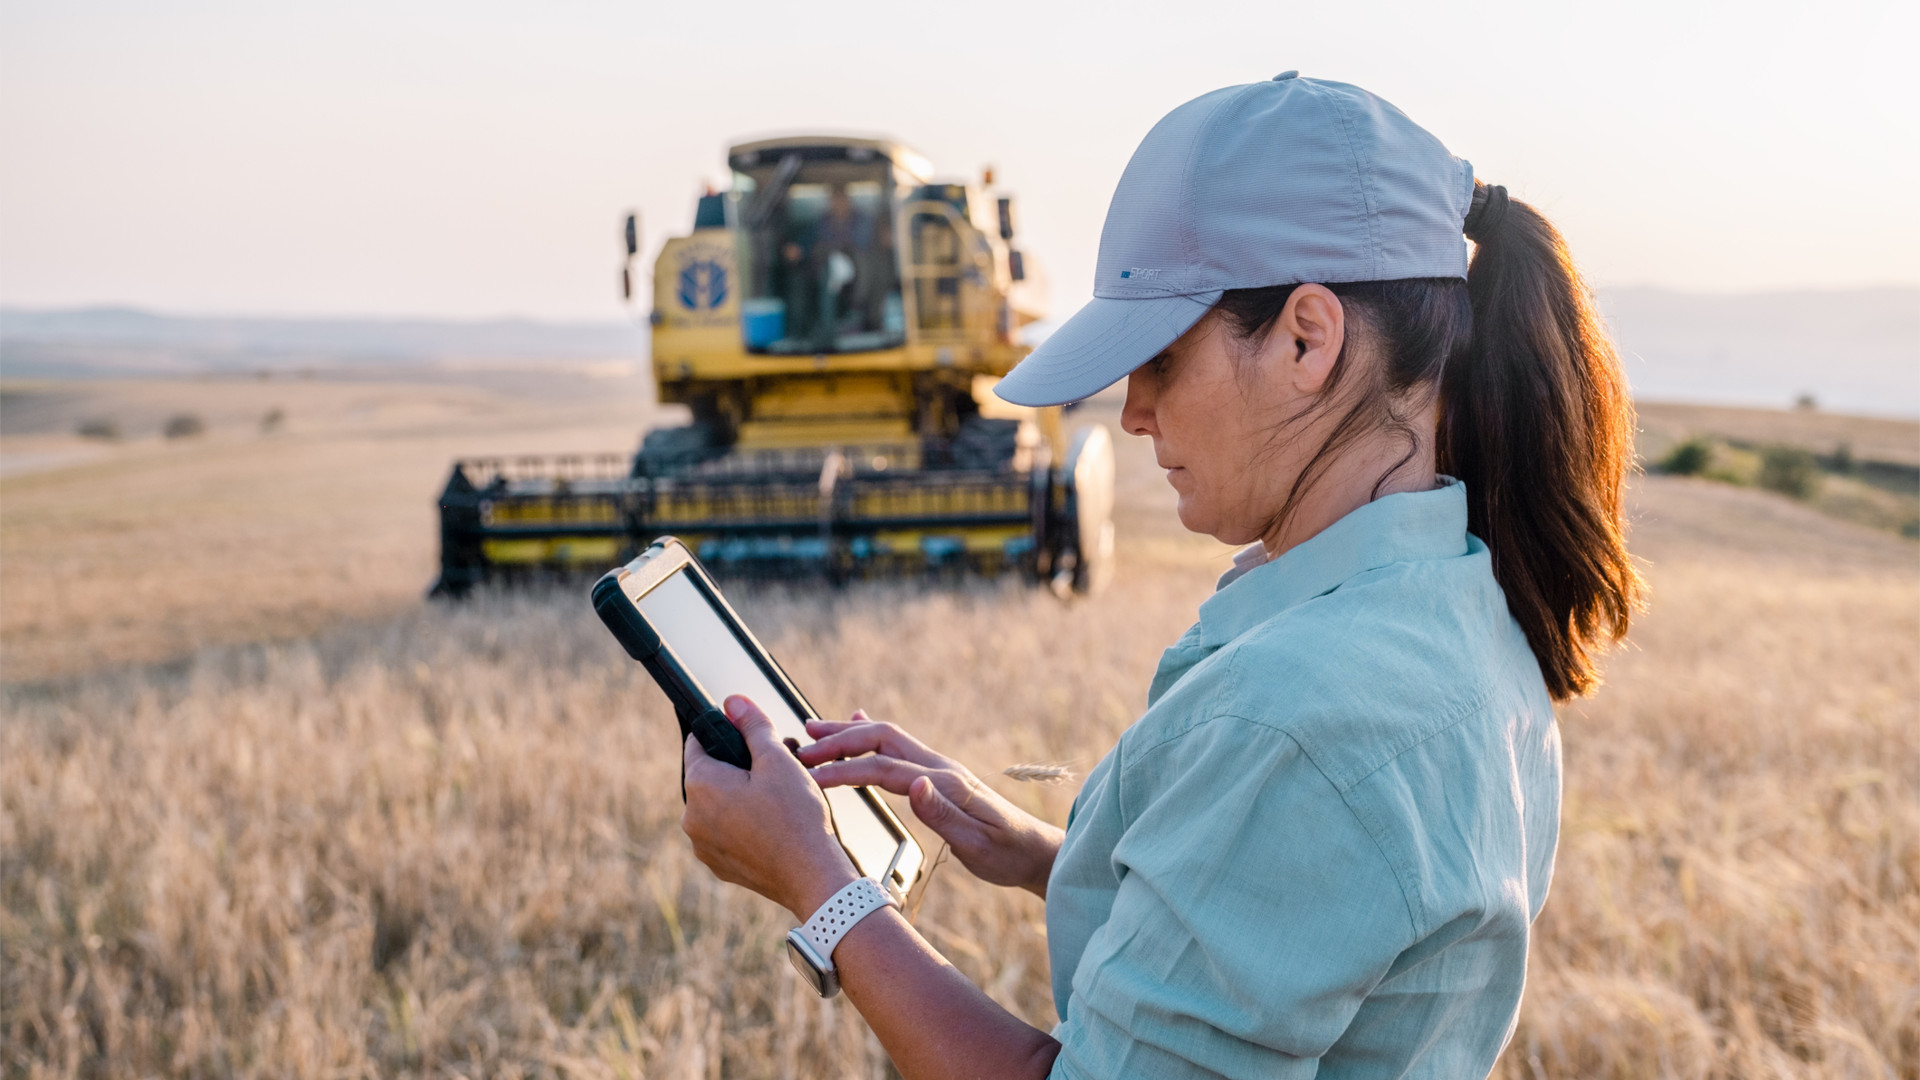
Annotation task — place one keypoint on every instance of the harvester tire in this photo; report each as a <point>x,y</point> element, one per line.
<point>669,450</point>
<point>984,444</point>
<point>1083,523</point>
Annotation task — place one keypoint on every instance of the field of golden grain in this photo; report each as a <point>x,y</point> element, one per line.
<point>324,829</point>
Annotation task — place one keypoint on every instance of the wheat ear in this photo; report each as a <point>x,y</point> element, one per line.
<point>1041,772</point>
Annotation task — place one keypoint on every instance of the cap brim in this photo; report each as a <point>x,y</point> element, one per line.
<point>1099,346</point>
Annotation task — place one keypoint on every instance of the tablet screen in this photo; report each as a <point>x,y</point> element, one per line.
<point>708,650</point>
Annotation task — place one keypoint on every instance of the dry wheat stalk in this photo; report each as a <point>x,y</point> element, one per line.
<point>1041,772</point>
<point>308,857</point>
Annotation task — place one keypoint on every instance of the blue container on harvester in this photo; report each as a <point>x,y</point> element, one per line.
<point>763,320</point>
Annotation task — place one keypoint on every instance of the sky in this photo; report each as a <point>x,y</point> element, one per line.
<point>474,159</point>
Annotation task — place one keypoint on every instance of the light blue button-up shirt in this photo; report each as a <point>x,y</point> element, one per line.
<point>1320,850</point>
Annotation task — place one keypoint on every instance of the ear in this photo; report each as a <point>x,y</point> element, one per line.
<point>1312,329</point>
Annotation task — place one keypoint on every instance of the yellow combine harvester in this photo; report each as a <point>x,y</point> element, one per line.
<point>835,323</point>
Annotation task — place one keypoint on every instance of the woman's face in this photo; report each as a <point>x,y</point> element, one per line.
<point>1218,411</point>
<point>1207,428</point>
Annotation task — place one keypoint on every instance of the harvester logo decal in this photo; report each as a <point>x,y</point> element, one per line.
<point>703,284</point>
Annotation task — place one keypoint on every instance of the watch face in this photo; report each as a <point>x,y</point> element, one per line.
<point>804,965</point>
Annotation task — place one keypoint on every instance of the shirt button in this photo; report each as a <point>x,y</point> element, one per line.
<point>1285,75</point>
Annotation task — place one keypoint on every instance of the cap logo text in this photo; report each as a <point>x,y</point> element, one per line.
<point>1138,272</point>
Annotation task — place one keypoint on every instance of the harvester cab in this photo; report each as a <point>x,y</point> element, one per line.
<point>834,324</point>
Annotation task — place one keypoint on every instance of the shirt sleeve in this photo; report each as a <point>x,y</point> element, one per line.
<point>1253,915</point>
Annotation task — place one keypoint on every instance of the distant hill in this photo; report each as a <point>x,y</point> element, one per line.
<point>1855,352</point>
<point>97,342</point>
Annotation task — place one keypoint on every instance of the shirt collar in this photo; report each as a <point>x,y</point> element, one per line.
<point>1405,527</point>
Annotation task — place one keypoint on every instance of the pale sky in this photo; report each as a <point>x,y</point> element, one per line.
<point>475,159</point>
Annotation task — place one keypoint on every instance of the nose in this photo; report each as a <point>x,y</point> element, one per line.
<point>1136,416</point>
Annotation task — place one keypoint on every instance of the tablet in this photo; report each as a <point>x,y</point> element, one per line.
<point>670,616</point>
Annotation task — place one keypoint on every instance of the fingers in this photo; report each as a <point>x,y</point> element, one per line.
<point>846,743</point>
<point>872,770</point>
<point>701,770</point>
<point>856,738</point>
<point>818,728</point>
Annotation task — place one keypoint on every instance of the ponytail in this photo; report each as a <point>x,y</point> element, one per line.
<point>1536,421</point>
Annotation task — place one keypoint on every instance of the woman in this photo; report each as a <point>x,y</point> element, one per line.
<point>1320,850</point>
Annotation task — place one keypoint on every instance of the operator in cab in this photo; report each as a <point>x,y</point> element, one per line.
<point>834,284</point>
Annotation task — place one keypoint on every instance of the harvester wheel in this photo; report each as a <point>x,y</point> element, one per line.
<point>666,450</point>
<point>462,558</point>
<point>984,444</point>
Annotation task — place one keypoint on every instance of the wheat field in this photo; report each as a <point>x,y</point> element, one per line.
<point>443,841</point>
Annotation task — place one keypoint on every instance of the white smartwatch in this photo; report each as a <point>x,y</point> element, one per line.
<point>810,947</point>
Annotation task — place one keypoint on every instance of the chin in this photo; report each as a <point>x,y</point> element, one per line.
<point>1194,519</point>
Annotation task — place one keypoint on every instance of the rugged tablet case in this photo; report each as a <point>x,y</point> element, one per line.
<point>698,717</point>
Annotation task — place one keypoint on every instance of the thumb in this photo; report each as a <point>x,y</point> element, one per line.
<point>752,724</point>
<point>935,810</point>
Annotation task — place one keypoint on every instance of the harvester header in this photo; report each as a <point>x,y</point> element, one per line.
<point>834,324</point>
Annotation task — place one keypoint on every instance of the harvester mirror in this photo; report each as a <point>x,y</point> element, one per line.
<point>633,235</point>
<point>1017,265</point>
<point>1006,219</point>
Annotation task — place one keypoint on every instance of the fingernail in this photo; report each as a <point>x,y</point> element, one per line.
<point>735,706</point>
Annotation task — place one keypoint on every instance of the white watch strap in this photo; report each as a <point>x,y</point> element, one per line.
<point>861,898</point>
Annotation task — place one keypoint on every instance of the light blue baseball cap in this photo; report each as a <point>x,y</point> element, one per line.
<point>1273,183</point>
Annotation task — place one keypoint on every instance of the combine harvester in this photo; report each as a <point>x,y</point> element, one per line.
<point>835,323</point>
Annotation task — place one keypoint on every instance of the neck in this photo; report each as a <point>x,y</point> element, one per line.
<point>1353,481</point>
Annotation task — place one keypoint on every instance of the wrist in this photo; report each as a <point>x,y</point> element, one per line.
<point>1043,849</point>
<point>817,885</point>
<point>811,945</point>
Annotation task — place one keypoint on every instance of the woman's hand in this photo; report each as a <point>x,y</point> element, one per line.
<point>994,839</point>
<point>767,828</point>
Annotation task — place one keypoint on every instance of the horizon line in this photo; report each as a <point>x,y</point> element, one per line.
<point>136,308</point>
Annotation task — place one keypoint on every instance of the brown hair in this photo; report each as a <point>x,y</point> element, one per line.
<point>1534,419</point>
